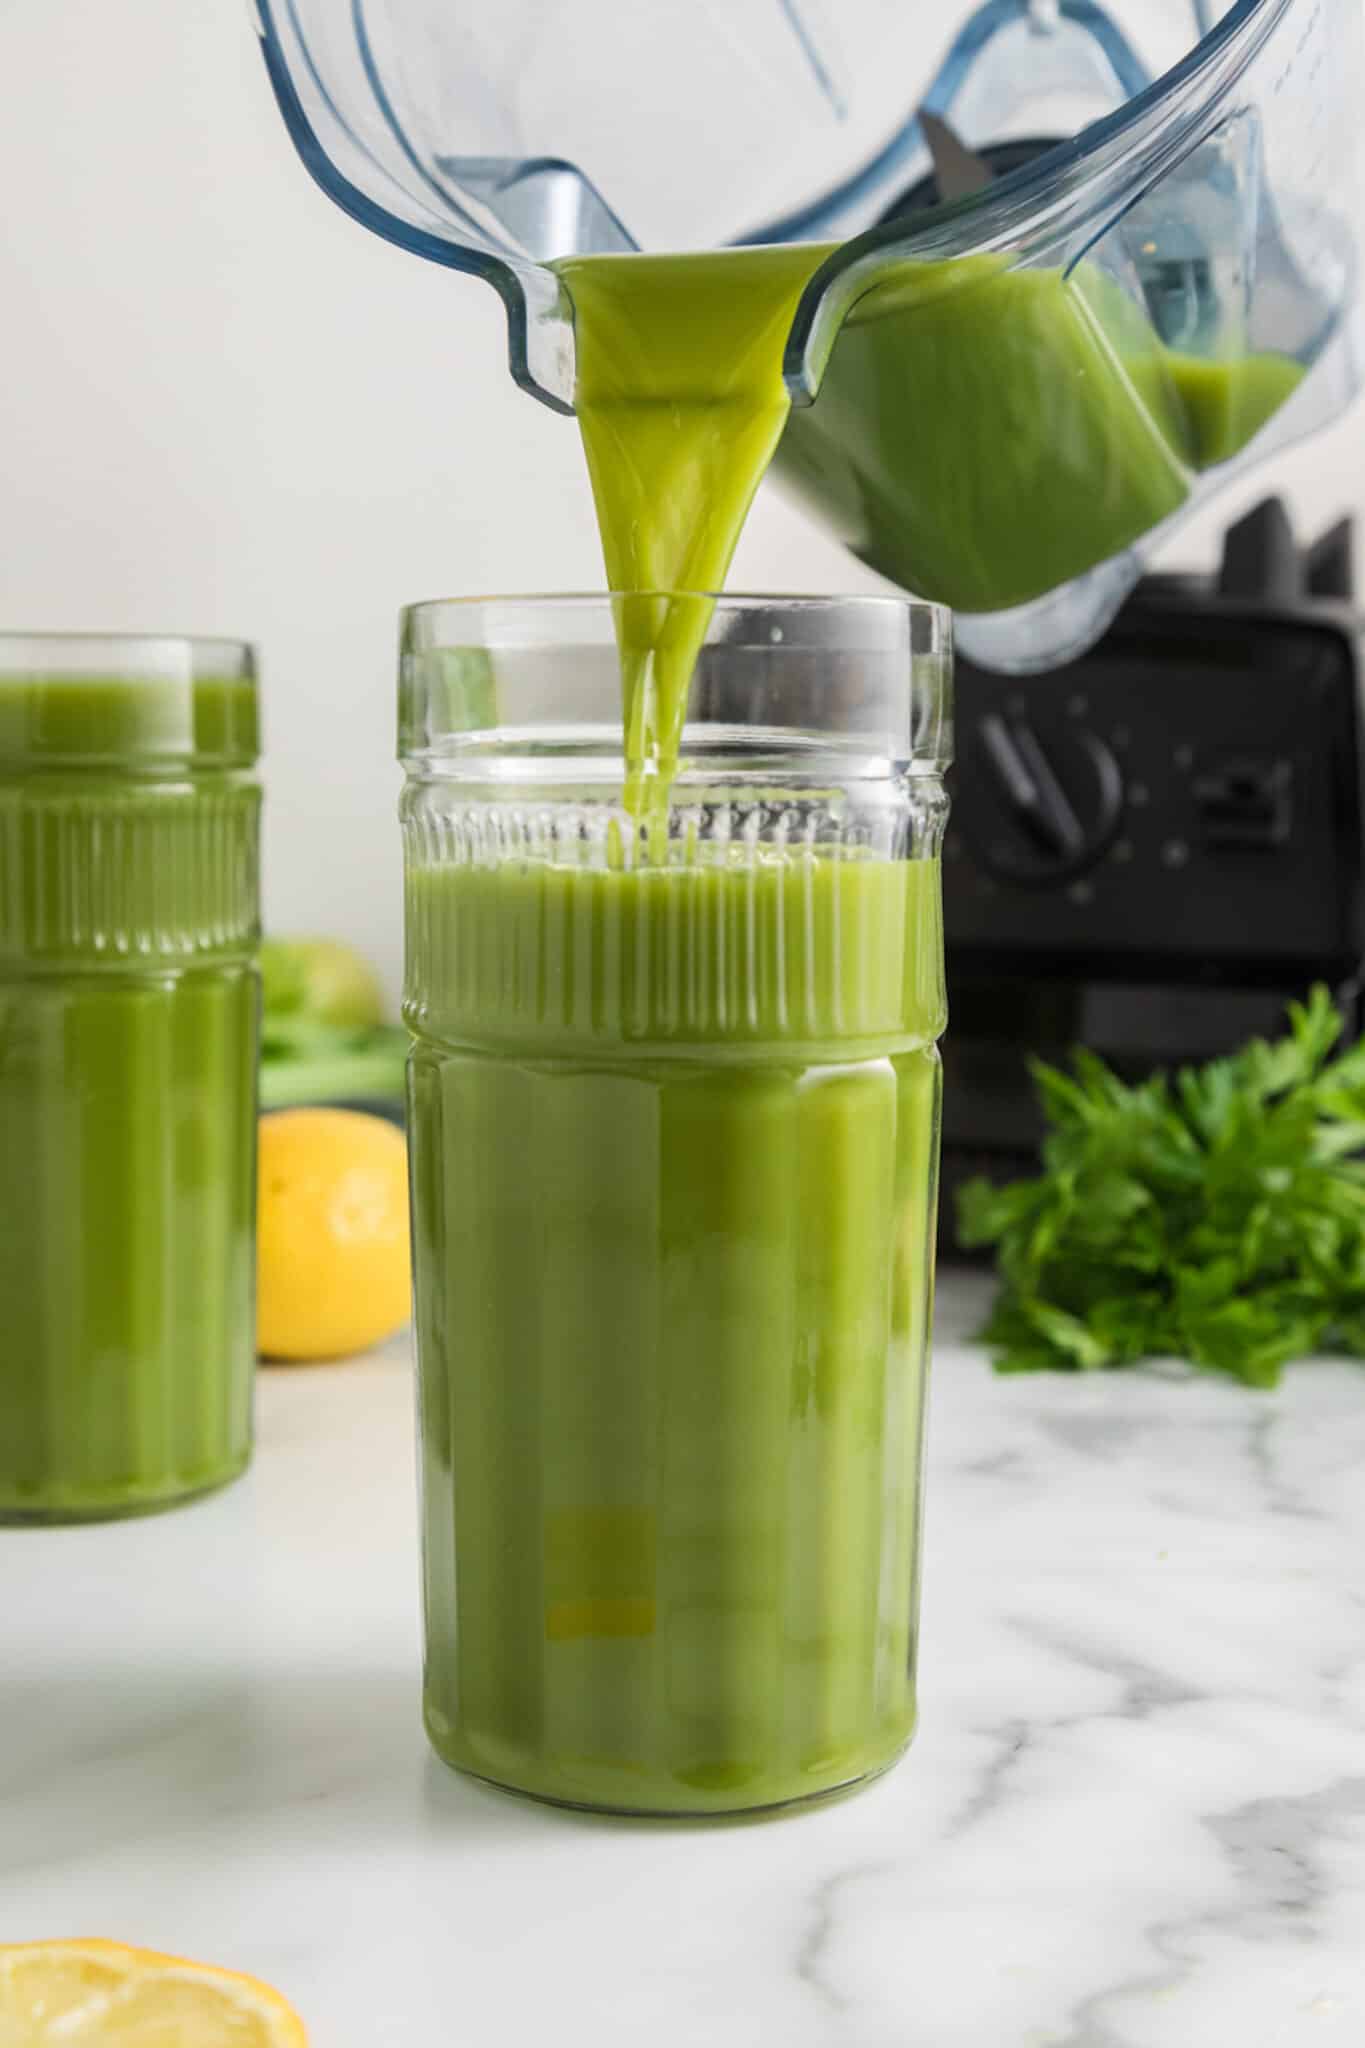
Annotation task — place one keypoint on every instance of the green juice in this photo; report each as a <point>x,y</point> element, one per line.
<point>674,1141</point>
<point>681,405</point>
<point>674,1100</point>
<point>983,435</point>
<point>128,1025</point>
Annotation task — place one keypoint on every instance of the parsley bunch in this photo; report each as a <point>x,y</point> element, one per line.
<point>1217,1216</point>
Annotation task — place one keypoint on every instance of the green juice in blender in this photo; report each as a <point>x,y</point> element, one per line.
<point>983,434</point>
<point>128,1025</point>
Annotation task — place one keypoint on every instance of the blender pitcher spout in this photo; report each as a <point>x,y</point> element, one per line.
<point>344,121</point>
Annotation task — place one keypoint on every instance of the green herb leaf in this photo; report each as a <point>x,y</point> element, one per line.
<point>1216,1216</point>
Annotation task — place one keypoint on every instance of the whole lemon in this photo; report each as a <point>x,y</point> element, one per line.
<point>332,1272</point>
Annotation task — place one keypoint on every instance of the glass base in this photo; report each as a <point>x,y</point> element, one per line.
<point>624,1809</point>
<point>129,1506</point>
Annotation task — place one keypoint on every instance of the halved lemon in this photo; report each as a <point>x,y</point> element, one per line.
<point>332,1260</point>
<point>99,1994</point>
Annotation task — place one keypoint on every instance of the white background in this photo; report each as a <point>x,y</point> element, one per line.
<point>226,409</point>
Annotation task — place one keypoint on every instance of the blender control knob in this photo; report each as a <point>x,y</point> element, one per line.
<point>1036,806</point>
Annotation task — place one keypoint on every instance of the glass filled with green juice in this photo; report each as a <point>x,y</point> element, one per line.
<point>128,1035</point>
<point>674,1124</point>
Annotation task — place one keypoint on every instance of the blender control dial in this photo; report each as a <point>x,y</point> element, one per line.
<point>1036,805</point>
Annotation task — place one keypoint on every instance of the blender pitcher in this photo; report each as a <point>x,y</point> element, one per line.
<point>1081,259</point>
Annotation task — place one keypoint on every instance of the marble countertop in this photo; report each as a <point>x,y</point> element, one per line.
<point>1134,1816</point>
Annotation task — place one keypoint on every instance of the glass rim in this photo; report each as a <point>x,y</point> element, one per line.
<point>795,600</point>
<point>499,677</point>
<point>127,701</point>
<point>202,648</point>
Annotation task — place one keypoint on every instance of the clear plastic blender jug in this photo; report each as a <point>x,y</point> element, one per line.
<point>1127,264</point>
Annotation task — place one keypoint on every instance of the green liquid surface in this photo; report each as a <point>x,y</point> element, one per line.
<point>674,1140</point>
<point>128,1023</point>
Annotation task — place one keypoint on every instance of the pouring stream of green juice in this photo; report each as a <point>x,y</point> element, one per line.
<point>681,404</point>
<point>982,434</point>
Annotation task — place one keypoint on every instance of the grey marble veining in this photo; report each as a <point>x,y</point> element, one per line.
<point>1134,1815</point>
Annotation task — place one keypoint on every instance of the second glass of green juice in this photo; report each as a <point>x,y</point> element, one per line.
<point>128,1039</point>
<point>674,1097</point>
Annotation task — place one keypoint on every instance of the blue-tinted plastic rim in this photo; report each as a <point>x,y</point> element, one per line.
<point>1067,157</point>
<point>907,142</point>
<point>1050,168</point>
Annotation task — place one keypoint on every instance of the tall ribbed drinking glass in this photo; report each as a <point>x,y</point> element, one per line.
<point>674,1122</point>
<point>128,1035</point>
